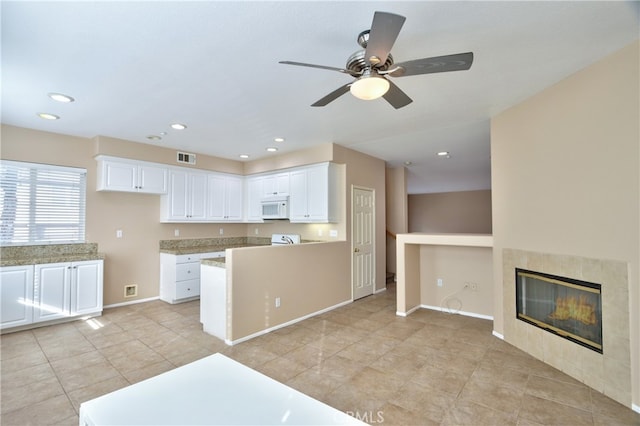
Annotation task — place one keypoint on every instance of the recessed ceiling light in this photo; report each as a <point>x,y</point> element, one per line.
<point>243,156</point>
<point>178,126</point>
<point>408,163</point>
<point>278,139</point>
<point>163,133</point>
<point>47,116</point>
<point>272,149</point>
<point>154,138</point>
<point>60,97</point>
<point>443,154</point>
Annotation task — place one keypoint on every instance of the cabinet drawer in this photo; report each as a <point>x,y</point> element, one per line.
<point>188,288</point>
<point>188,271</point>
<point>186,258</point>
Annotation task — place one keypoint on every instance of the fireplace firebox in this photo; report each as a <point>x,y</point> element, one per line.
<point>564,306</point>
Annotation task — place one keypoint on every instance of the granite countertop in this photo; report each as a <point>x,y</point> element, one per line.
<point>220,262</point>
<point>54,253</point>
<point>209,245</point>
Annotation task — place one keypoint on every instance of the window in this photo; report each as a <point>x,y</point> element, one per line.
<point>41,204</point>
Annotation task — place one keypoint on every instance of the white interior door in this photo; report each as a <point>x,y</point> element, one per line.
<point>363,277</point>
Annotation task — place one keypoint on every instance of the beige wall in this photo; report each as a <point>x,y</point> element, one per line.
<point>396,210</point>
<point>134,258</point>
<point>565,178</point>
<point>366,172</point>
<point>451,212</point>
<point>457,266</point>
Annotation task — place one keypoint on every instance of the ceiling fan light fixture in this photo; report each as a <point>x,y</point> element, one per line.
<point>370,86</point>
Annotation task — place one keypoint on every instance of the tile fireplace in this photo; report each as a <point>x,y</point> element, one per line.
<point>567,307</point>
<point>607,370</point>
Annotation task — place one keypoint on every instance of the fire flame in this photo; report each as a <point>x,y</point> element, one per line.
<point>575,308</point>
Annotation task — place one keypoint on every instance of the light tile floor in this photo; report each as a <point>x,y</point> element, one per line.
<point>428,368</point>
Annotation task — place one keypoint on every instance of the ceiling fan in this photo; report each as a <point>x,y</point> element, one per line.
<point>374,63</point>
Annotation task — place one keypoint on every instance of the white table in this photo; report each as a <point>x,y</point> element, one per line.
<point>212,391</point>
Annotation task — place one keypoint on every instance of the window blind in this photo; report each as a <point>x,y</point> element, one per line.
<point>41,204</point>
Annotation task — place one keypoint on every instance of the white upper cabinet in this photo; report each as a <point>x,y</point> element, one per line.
<point>224,198</point>
<point>253,196</point>
<point>276,184</point>
<point>186,200</point>
<point>116,174</point>
<point>313,194</point>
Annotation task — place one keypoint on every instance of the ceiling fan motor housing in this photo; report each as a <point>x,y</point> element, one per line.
<point>357,63</point>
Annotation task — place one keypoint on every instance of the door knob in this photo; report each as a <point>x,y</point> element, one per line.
<point>356,250</point>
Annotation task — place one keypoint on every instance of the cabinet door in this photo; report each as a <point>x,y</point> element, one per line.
<point>317,194</point>
<point>152,179</point>
<point>197,189</point>
<point>16,296</point>
<point>298,210</point>
<point>233,198</point>
<point>255,193</point>
<point>276,184</point>
<point>177,197</point>
<point>119,177</point>
<point>51,288</point>
<point>86,287</point>
<point>216,197</point>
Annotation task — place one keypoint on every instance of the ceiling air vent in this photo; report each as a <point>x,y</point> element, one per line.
<point>186,158</point>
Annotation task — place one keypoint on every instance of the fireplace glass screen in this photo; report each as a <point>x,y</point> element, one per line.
<point>564,306</point>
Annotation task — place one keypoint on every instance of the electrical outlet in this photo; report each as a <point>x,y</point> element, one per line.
<point>256,231</point>
<point>176,232</point>
<point>118,233</point>
<point>320,232</point>
<point>474,286</point>
<point>440,282</point>
<point>221,231</point>
<point>277,302</point>
<point>333,233</point>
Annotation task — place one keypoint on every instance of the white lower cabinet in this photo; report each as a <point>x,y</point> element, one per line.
<point>50,291</point>
<point>63,290</point>
<point>180,276</point>
<point>16,296</point>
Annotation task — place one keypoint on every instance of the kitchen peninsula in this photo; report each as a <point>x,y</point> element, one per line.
<point>255,290</point>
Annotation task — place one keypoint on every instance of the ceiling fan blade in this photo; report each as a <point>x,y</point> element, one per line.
<point>332,96</point>
<point>457,62</point>
<point>383,34</point>
<point>324,67</point>
<point>396,97</point>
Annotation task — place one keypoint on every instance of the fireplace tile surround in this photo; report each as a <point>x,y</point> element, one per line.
<point>608,373</point>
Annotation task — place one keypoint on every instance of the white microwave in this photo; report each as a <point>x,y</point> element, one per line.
<point>276,207</point>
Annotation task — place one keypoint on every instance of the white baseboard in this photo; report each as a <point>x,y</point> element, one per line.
<point>379,291</point>
<point>466,314</point>
<point>409,312</point>
<point>286,324</point>
<point>498,335</point>
<point>635,407</point>
<point>133,302</point>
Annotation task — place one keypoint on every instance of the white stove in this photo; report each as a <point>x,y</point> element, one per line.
<point>279,239</point>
